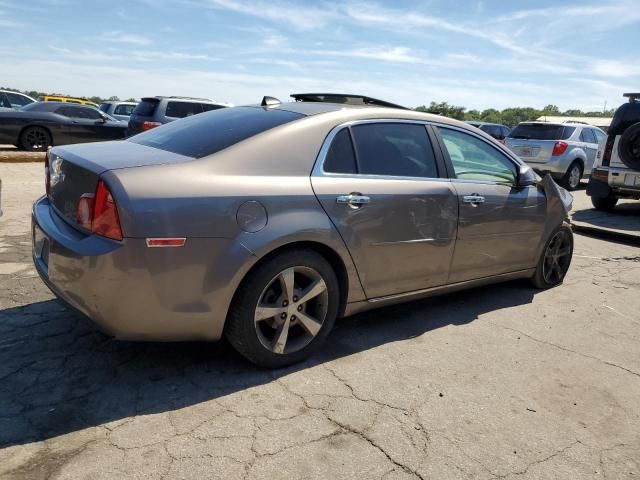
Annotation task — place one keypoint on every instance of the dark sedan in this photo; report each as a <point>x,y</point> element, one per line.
<point>40,125</point>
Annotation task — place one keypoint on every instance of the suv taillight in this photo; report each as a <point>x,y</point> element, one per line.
<point>98,212</point>
<point>149,125</point>
<point>47,180</point>
<point>608,148</point>
<point>559,148</point>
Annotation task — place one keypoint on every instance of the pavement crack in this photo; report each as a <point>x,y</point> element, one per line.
<point>538,462</point>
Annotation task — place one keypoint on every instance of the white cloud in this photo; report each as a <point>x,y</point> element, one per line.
<point>117,36</point>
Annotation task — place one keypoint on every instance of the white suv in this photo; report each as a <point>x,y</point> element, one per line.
<point>616,172</point>
<point>13,100</point>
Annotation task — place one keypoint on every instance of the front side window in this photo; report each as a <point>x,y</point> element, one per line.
<point>104,107</point>
<point>341,157</point>
<point>183,109</point>
<point>475,159</point>
<point>394,149</point>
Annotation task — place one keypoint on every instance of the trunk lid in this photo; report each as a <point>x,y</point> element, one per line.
<point>74,170</point>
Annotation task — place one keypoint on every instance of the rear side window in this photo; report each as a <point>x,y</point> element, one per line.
<point>394,149</point>
<point>587,136</point>
<point>493,130</point>
<point>183,109</point>
<point>146,108</point>
<point>341,157</point>
<point>538,131</point>
<point>104,107</point>
<point>202,135</point>
<point>124,109</point>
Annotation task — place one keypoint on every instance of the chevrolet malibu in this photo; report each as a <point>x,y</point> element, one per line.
<point>265,223</point>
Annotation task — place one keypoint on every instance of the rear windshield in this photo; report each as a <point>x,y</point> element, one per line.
<point>201,135</point>
<point>537,131</point>
<point>146,108</point>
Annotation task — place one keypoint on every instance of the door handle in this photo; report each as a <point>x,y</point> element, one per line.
<point>474,199</point>
<point>354,200</point>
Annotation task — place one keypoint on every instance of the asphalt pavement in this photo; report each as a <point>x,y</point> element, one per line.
<point>497,382</point>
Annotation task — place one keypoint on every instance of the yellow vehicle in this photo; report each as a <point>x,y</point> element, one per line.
<point>61,98</point>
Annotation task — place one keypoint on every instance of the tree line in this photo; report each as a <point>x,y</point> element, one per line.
<point>509,116</point>
<point>35,94</point>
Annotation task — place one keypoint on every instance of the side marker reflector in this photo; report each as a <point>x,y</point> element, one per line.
<point>165,242</point>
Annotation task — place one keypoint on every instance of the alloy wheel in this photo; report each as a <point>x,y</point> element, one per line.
<point>291,310</point>
<point>557,258</point>
<point>574,176</point>
<point>36,139</point>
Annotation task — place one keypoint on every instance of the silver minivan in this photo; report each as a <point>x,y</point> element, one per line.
<point>565,150</point>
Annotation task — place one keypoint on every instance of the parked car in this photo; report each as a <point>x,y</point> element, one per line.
<point>13,100</point>
<point>119,110</point>
<point>40,125</point>
<point>565,150</point>
<point>616,173</point>
<point>265,223</point>
<point>496,130</point>
<point>152,112</point>
<point>65,99</point>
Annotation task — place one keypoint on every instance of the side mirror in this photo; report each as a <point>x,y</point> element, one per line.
<point>526,176</point>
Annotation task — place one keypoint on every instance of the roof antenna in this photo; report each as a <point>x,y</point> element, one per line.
<point>269,101</point>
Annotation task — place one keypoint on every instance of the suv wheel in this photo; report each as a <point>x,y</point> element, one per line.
<point>555,259</point>
<point>604,203</point>
<point>571,179</point>
<point>284,310</point>
<point>629,147</point>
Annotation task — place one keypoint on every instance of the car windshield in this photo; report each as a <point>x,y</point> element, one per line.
<point>207,133</point>
<point>540,131</point>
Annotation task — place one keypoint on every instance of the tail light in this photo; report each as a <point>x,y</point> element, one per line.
<point>559,148</point>
<point>602,175</point>
<point>98,212</point>
<point>47,182</point>
<point>608,148</point>
<point>149,125</point>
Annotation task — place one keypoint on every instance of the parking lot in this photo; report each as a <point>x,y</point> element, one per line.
<point>497,382</point>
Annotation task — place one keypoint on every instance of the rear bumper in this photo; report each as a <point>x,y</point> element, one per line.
<point>556,166</point>
<point>621,182</point>
<point>138,293</point>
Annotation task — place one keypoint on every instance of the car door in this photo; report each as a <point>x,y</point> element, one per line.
<point>500,224</point>
<point>380,183</point>
<point>590,145</point>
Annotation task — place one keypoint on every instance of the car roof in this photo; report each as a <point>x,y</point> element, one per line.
<point>50,106</point>
<point>478,122</point>
<point>172,97</point>
<point>558,124</point>
<point>119,102</point>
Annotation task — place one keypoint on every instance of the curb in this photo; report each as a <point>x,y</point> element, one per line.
<point>21,159</point>
<point>606,233</point>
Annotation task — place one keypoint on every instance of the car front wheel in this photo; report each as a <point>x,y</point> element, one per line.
<point>284,309</point>
<point>555,259</point>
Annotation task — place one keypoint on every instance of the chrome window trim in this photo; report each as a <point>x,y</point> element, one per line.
<point>318,166</point>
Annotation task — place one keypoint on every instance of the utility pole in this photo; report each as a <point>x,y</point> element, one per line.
<point>605,107</point>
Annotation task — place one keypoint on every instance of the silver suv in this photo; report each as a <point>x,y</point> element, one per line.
<point>565,150</point>
<point>616,173</point>
<point>152,112</point>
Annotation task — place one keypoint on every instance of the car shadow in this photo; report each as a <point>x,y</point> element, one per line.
<point>59,374</point>
<point>624,217</point>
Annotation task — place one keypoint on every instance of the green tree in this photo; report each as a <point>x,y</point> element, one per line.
<point>491,115</point>
<point>472,115</point>
<point>443,108</point>
<point>551,110</point>
<point>114,98</point>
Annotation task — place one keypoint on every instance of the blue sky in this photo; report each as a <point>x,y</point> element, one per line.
<point>480,53</point>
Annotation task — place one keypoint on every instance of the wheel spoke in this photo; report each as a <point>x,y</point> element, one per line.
<point>286,281</point>
<point>557,270</point>
<point>280,338</point>
<point>563,252</point>
<point>264,312</point>
<point>313,291</point>
<point>311,325</point>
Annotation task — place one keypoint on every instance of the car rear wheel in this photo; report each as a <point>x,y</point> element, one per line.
<point>604,203</point>
<point>284,310</point>
<point>555,259</point>
<point>571,179</point>
<point>35,139</point>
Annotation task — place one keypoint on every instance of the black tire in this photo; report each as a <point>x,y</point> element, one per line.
<point>604,203</point>
<point>629,147</point>
<point>568,181</point>
<point>546,276</point>
<point>35,139</point>
<point>248,336</point>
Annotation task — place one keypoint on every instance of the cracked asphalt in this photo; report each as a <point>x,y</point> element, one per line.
<point>497,382</point>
